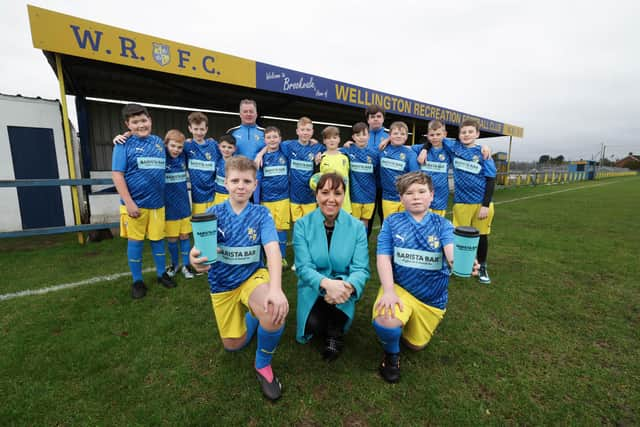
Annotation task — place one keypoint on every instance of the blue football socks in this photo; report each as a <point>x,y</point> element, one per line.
<point>157,249</point>
<point>267,343</point>
<point>389,337</point>
<point>173,251</point>
<point>185,247</point>
<point>134,255</point>
<point>282,237</point>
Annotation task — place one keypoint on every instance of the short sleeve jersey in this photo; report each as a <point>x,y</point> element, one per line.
<point>363,171</point>
<point>395,161</point>
<point>416,250</point>
<point>301,162</point>
<point>176,197</point>
<point>202,160</point>
<point>249,140</point>
<point>220,175</point>
<point>274,177</point>
<point>470,171</point>
<point>142,160</point>
<point>240,238</point>
<point>437,167</point>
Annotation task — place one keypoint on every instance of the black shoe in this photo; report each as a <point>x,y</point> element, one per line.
<point>138,289</point>
<point>166,281</point>
<point>272,390</point>
<point>332,348</point>
<point>390,367</point>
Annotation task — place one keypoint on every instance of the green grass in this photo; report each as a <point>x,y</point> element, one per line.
<point>553,340</point>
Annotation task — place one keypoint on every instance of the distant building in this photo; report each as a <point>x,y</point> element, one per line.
<point>628,161</point>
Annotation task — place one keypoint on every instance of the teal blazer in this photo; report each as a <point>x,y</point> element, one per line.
<point>347,259</point>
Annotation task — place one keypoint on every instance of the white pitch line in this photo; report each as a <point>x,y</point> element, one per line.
<point>553,192</point>
<point>117,276</point>
<point>48,289</point>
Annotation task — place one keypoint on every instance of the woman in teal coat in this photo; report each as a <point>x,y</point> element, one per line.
<point>332,265</point>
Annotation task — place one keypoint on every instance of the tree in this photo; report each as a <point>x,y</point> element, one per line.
<point>559,160</point>
<point>544,158</point>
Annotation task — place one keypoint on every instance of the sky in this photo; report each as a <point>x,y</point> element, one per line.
<point>568,72</point>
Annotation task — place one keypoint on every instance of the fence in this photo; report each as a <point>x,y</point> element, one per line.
<point>511,179</point>
<point>79,228</point>
<point>515,179</point>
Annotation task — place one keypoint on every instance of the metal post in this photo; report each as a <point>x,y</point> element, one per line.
<point>509,158</point>
<point>413,135</point>
<point>67,137</point>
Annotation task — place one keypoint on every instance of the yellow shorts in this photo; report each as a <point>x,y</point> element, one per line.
<point>442,212</point>
<point>198,208</point>
<point>220,198</point>
<point>389,207</point>
<point>149,223</point>
<point>362,210</point>
<point>280,211</point>
<point>419,319</point>
<point>298,211</point>
<point>467,214</point>
<point>174,228</point>
<point>227,306</point>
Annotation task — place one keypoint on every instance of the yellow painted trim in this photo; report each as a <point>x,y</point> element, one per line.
<point>67,139</point>
<point>69,35</point>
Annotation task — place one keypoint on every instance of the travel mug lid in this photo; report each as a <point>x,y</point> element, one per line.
<point>203,217</point>
<point>466,231</point>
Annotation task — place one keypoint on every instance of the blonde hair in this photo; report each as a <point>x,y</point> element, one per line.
<point>399,125</point>
<point>304,121</point>
<point>240,163</point>
<point>174,135</point>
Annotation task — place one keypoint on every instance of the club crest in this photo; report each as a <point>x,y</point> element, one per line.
<point>161,54</point>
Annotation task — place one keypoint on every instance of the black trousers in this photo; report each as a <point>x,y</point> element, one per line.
<point>325,319</point>
<point>377,207</point>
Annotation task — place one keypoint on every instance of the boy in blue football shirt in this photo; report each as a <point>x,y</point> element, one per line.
<point>238,279</point>
<point>177,206</point>
<point>414,255</point>
<point>227,148</point>
<point>273,177</point>
<point>436,164</point>
<point>138,172</point>
<point>474,178</point>
<point>202,155</point>
<point>395,159</point>
<point>362,173</point>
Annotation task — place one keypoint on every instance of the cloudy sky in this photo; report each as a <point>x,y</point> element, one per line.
<point>566,71</point>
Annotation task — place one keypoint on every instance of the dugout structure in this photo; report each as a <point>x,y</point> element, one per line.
<point>95,60</point>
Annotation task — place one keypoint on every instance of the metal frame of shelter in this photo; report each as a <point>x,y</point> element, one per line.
<point>96,60</point>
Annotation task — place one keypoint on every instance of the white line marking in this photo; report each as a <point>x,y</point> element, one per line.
<point>553,192</point>
<point>117,276</point>
<point>48,289</point>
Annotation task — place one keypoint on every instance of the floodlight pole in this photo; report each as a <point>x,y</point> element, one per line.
<point>67,138</point>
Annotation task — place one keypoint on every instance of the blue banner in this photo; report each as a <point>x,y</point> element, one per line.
<point>291,82</point>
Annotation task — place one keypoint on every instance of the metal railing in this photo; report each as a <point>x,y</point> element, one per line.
<point>78,228</point>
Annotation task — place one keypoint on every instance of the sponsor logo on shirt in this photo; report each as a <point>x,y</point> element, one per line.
<point>417,259</point>
<point>467,166</point>
<point>239,255</point>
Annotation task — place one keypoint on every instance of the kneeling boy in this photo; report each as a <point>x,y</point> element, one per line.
<point>239,280</point>
<point>415,250</point>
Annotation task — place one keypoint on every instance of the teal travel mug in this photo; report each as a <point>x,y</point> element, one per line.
<point>465,246</point>
<point>205,234</point>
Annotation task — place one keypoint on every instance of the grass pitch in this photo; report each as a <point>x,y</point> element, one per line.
<point>553,340</point>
